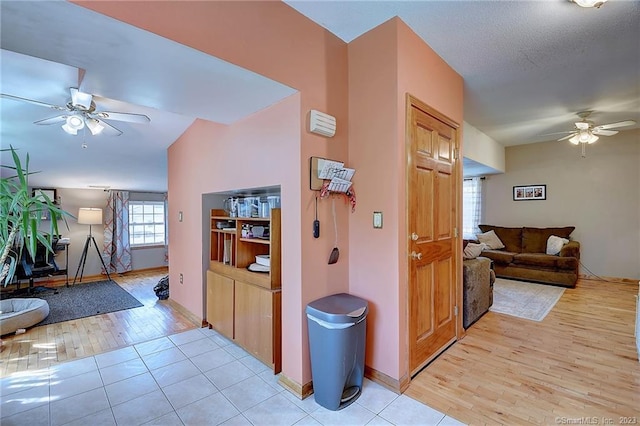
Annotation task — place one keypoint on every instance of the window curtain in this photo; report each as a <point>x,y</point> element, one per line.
<point>471,207</point>
<point>117,251</point>
<point>166,228</point>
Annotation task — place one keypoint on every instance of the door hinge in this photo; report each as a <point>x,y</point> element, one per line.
<point>455,232</point>
<point>455,310</point>
<point>455,153</point>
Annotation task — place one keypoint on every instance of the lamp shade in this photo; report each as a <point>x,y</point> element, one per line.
<point>89,216</point>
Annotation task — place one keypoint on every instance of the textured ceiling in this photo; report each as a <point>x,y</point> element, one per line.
<point>528,66</point>
<point>131,71</point>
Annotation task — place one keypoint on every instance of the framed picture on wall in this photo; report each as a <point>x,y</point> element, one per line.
<point>529,192</point>
<point>51,193</point>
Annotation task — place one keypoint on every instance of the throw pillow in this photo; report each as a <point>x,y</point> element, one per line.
<point>491,240</point>
<point>555,244</point>
<point>473,250</point>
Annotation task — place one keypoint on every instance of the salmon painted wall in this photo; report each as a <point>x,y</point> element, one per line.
<point>273,40</point>
<point>261,150</point>
<point>385,64</point>
<point>426,76</point>
<point>373,272</point>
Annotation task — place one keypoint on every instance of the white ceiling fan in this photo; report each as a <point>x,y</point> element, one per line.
<point>586,132</point>
<point>80,112</point>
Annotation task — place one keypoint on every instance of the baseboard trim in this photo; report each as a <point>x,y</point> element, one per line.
<point>152,269</point>
<point>395,385</point>
<point>611,279</point>
<point>303,391</point>
<point>61,280</point>
<point>300,391</point>
<point>196,320</point>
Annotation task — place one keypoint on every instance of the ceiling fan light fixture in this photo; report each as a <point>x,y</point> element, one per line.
<point>75,122</point>
<point>81,100</point>
<point>69,129</point>
<point>575,140</point>
<point>592,139</point>
<point>584,136</point>
<point>94,126</point>
<point>589,3</point>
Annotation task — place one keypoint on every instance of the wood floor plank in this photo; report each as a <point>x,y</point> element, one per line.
<point>43,346</point>
<point>579,362</point>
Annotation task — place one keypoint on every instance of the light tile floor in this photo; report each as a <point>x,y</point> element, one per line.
<point>193,378</point>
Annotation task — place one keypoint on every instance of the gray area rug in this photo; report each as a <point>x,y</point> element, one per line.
<point>523,299</point>
<point>84,300</point>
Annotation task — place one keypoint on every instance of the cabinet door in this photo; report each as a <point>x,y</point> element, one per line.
<point>254,320</point>
<point>220,303</point>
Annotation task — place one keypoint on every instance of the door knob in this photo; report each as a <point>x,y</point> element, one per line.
<point>414,236</point>
<point>415,255</point>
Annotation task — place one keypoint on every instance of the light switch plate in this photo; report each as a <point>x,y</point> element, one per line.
<point>377,219</point>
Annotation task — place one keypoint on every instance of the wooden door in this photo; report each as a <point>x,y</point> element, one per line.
<point>432,213</point>
<point>220,303</point>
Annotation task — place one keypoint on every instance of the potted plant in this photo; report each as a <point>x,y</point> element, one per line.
<point>21,212</point>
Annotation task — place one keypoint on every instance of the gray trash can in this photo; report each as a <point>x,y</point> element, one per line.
<point>337,332</point>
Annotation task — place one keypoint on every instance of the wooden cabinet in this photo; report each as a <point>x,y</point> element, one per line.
<point>220,303</point>
<point>242,305</point>
<point>257,324</point>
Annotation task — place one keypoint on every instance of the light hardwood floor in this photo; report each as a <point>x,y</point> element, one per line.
<point>42,346</point>
<point>580,362</point>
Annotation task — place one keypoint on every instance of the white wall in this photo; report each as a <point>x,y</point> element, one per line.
<point>598,195</point>
<point>480,148</point>
<point>71,200</point>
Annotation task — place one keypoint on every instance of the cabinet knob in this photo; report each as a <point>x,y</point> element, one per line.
<point>414,236</point>
<point>416,256</point>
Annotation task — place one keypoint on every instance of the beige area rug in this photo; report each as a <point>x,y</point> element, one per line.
<point>523,299</point>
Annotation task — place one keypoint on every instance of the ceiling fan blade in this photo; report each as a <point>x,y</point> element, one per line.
<point>567,137</point>
<point>51,120</point>
<point>614,125</point>
<point>31,101</point>
<point>558,133</point>
<point>109,129</point>
<point>123,116</point>
<point>603,132</point>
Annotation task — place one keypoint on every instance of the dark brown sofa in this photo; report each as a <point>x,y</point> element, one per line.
<point>524,255</point>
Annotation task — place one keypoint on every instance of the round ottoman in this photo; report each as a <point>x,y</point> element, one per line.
<point>21,313</point>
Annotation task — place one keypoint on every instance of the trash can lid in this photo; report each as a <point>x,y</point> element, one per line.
<point>338,308</point>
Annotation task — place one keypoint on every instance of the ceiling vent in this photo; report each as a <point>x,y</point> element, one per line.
<point>322,124</point>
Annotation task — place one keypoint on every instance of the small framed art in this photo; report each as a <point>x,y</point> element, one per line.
<point>529,192</point>
<point>51,193</point>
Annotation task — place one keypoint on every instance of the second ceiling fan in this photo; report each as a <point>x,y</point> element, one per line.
<point>586,132</point>
<point>80,113</point>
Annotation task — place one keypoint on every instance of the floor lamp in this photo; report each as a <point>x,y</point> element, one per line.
<point>89,216</point>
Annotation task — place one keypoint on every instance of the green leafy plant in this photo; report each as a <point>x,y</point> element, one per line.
<point>21,212</point>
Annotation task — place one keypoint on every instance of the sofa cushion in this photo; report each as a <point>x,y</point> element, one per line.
<point>534,240</point>
<point>510,237</point>
<point>491,240</point>
<point>499,256</point>
<point>555,244</point>
<point>473,250</point>
<point>535,259</point>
